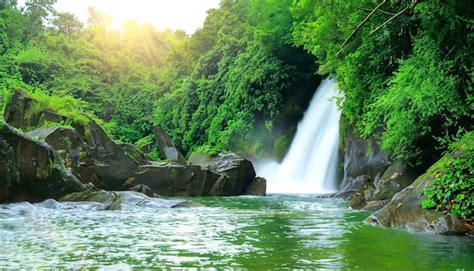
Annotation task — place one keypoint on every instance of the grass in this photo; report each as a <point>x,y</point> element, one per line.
<point>66,106</point>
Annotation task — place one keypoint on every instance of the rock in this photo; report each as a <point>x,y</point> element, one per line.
<point>66,141</point>
<point>94,157</point>
<point>167,179</point>
<point>31,170</point>
<point>397,176</point>
<point>89,150</point>
<point>404,209</point>
<point>187,204</point>
<point>362,157</point>
<point>257,187</point>
<point>167,149</point>
<point>110,200</point>
<point>140,157</point>
<point>359,184</point>
<point>201,159</point>
<point>141,188</point>
<point>223,175</point>
<point>375,205</point>
<point>239,171</point>
<point>357,201</point>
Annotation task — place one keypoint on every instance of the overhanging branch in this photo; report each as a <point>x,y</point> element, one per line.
<point>360,26</point>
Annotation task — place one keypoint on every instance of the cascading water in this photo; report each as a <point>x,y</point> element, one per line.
<point>311,162</point>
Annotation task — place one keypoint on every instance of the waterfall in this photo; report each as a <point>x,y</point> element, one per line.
<point>310,165</point>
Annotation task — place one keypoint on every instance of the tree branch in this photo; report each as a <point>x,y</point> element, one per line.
<point>389,20</point>
<point>379,10</point>
<point>360,26</point>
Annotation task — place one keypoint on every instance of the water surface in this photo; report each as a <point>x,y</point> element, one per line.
<point>257,233</point>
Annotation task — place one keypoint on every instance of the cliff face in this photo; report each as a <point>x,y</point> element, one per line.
<point>404,209</point>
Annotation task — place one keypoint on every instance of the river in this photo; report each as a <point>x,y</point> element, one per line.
<point>257,233</point>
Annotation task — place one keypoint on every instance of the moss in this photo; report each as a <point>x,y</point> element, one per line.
<point>145,141</point>
<point>281,145</point>
<point>61,124</point>
<point>63,105</point>
<point>5,98</point>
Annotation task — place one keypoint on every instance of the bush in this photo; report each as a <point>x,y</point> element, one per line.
<point>452,191</point>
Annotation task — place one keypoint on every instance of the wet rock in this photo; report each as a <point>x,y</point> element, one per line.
<point>187,204</point>
<point>239,171</point>
<point>359,184</point>
<point>167,179</point>
<point>257,187</point>
<point>357,201</point>
<point>31,170</point>
<point>66,141</point>
<point>404,209</point>
<point>362,157</point>
<point>111,200</point>
<point>141,188</point>
<point>375,205</point>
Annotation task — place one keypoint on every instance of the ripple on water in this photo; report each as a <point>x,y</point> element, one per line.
<point>249,232</point>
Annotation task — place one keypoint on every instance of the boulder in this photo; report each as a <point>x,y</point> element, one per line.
<point>89,153</point>
<point>258,187</point>
<point>111,200</point>
<point>397,176</point>
<point>166,147</point>
<point>173,179</point>
<point>141,188</point>
<point>31,170</point>
<point>362,157</point>
<point>359,184</point>
<point>85,147</point>
<point>122,200</point>
<point>66,141</point>
<point>238,170</point>
<point>404,209</point>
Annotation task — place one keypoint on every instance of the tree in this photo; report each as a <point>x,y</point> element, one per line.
<point>67,23</point>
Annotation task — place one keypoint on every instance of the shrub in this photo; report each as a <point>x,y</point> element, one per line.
<point>452,191</point>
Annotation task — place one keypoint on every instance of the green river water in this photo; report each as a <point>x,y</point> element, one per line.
<point>256,233</point>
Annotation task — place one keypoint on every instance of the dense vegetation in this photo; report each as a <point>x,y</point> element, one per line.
<point>405,68</point>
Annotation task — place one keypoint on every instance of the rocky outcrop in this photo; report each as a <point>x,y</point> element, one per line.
<point>124,200</point>
<point>166,147</point>
<point>89,153</point>
<point>362,158</point>
<point>84,146</point>
<point>31,170</point>
<point>110,200</point>
<point>397,176</point>
<point>404,209</point>
<point>221,175</point>
<point>238,172</point>
<point>370,178</point>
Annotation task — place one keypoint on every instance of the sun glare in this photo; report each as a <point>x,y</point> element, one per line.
<point>175,14</point>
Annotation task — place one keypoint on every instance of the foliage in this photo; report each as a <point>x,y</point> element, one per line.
<point>406,83</point>
<point>245,68</point>
<point>453,189</point>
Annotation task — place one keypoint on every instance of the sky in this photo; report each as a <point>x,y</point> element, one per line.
<point>187,15</point>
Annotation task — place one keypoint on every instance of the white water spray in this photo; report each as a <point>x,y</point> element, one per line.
<point>310,165</point>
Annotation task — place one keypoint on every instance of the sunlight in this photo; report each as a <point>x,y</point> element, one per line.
<point>175,14</point>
